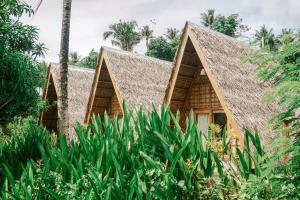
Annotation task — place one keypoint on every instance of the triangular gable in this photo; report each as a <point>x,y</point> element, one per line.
<point>184,76</point>
<point>105,95</point>
<point>138,79</point>
<point>233,80</point>
<point>49,118</point>
<point>79,87</point>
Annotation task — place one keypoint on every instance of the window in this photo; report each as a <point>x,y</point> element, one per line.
<point>205,118</point>
<point>203,122</point>
<point>220,119</point>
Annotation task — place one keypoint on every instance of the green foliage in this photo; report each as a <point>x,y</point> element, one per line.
<point>124,34</point>
<point>208,18</point>
<point>265,38</point>
<point>74,58</point>
<point>130,158</point>
<point>164,47</point>
<point>91,60</point>
<point>281,69</point>
<point>229,25</point>
<point>147,33</point>
<point>20,75</point>
<point>23,145</point>
<point>280,174</point>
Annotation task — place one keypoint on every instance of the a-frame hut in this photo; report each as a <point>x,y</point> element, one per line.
<point>79,87</point>
<point>120,75</point>
<point>211,77</point>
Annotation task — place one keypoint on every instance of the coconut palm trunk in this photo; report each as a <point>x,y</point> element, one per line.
<point>63,111</point>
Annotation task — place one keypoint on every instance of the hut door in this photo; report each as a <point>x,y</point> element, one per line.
<point>203,122</point>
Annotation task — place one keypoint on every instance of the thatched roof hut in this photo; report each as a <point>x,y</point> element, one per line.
<point>120,75</point>
<point>211,77</point>
<point>79,87</point>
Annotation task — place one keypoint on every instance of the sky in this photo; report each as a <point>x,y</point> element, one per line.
<point>91,18</point>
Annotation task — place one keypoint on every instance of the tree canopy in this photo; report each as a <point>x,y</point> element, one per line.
<point>20,74</point>
<point>90,61</point>
<point>164,47</point>
<point>229,25</point>
<point>123,34</point>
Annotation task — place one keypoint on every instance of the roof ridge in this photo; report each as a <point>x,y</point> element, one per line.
<point>114,50</point>
<point>73,67</point>
<point>212,31</point>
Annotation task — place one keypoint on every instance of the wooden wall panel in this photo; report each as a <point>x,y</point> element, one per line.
<point>202,95</point>
<point>115,106</point>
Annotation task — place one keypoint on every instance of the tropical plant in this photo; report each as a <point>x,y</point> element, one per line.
<point>74,58</point>
<point>62,101</point>
<point>91,60</point>
<point>208,18</point>
<point>139,157</point>
<point>147,33</point>
<point>164,47</point>
<point>265,38</point>
<point>124,34</point>
<point>22,146</point>
<point>20,74</point>
<point>280,176</point>
<point>172,34</point>
<point>286,37</point>
<point>229,25</point>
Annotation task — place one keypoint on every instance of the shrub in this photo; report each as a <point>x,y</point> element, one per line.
<point>140,157</point>
<point>21,146</point>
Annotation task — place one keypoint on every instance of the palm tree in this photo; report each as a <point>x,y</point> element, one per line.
<point>147,33</point>
<point>287,36</point>
<point>74,58</point>
<point>207,19</point>
<point>39,50</point>
<point>172,34</point>
<point>123,34</point>
<point>63,111</point>
<point>265,37</point>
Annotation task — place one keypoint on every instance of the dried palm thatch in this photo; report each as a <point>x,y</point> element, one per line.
<point>233,79</point>
<point>120,75</point>
<point>79,87</point>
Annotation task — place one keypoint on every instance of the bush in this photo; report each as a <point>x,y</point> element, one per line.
<point>139,157</point>
<point>23,145</point>
<point>142,157</point>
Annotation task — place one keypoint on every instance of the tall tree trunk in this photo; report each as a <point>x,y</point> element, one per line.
<point>63,111</point>
<point>147,41</point>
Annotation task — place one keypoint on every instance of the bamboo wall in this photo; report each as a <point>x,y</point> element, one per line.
<point>105,98</point>
<point>192,90</point>
<point>202,95</point>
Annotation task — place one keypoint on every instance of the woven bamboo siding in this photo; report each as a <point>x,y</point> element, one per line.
<point>202,95</point>
<point>192,90</point>
<point>50,117</point>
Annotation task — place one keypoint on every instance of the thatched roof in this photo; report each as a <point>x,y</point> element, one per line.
<point>79,87</point>
<point>139,80</point>
<point>233,80</point>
